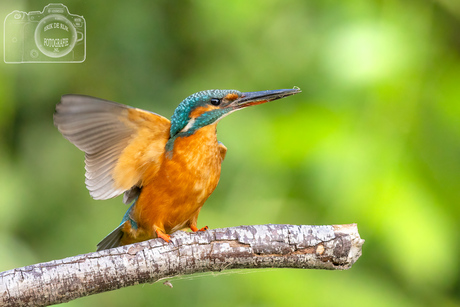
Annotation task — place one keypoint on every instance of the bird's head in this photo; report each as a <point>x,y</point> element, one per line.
<point>207,107</point>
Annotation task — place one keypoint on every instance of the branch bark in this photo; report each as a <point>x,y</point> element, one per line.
<point>334,247</point>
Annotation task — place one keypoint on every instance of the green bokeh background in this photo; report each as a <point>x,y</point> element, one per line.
<point>373,139</point>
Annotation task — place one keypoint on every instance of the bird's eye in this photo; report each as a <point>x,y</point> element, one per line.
<point>215,101</point>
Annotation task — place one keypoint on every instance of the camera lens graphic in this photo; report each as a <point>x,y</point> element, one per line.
<point>55,36</point>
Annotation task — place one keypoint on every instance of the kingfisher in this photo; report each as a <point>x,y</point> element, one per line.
<point>165,169</point>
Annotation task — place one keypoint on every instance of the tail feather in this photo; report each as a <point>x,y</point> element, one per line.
<point>112,239</point>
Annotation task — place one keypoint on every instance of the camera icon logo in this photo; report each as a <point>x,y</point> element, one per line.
<point>51,36</point>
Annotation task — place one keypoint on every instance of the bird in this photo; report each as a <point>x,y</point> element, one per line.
<point>166,169</point>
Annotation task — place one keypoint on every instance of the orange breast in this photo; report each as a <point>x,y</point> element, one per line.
<point>172,197</point>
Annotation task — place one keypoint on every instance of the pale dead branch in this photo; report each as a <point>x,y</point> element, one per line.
<point>334,247</point>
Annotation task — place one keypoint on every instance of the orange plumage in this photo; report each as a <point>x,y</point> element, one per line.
<point>169,169</point>
<point>180,186</point>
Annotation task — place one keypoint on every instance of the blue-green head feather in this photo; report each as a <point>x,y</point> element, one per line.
<point>181,117</point>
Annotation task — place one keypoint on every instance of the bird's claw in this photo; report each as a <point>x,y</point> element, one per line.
<point>195,229</point>
<point>164,236</point>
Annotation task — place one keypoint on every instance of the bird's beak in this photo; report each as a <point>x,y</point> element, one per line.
<point>254,98</point>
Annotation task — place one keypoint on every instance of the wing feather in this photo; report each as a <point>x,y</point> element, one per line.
<point>96,160</point>
<point>119,142</point>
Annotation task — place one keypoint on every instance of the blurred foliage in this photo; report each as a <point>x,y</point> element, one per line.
<point>374,139</point>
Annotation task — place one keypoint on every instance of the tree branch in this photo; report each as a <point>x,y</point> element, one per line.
<point>334,247</point>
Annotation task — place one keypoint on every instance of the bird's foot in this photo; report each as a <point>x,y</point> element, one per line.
<point>161,234</point>
<point>195,229</point>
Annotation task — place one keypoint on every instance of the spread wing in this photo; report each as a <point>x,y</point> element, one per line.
<point>120,143</point>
